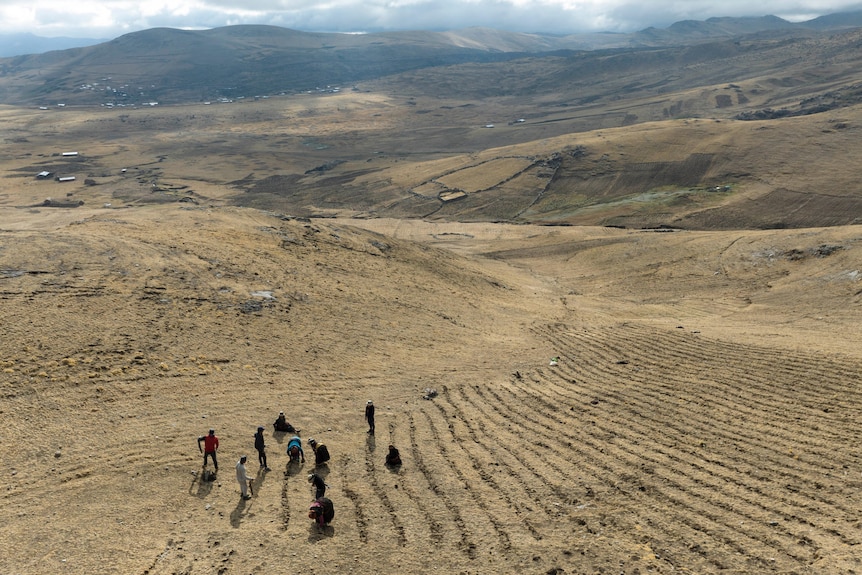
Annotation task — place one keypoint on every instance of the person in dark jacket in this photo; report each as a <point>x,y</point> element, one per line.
<point>281,424</point>
<point>369,416</point>
<point>260,445</point>
<point>321,452</point>
<point>321,512</point>
<point>319,485</point>
<point>393,458</point>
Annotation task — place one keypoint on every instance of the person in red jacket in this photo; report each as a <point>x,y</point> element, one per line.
<point>209,448</point>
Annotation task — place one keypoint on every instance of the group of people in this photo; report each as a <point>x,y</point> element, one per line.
<point>322,510</point>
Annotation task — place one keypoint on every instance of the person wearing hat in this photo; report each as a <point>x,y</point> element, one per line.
<point>319,485</point>
<point>321,452</point>
<point>369,416</point>
<point>242,478</point>
<point>261,448</point>
<point>210,447</point>
<point>281,424</point>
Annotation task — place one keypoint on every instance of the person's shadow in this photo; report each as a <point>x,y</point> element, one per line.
<point>259,480</point>
<point>237,514</point>
<point>316,533</point>
<point>322,470</point>
<point>293,467</point>
<point>370,443</point>
<point>204,486</point>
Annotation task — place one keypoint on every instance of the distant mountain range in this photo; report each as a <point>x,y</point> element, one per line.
<point>685,31</point>
<point>169,65</point>
<point>26,43</point>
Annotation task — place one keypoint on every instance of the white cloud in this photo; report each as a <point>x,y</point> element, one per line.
<point>106,19</point>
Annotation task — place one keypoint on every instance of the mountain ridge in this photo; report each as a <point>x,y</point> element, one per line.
<point>172,66</point>
<point>26,43</point>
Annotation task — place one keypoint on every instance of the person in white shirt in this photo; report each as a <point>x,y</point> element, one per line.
<point>242,478</point>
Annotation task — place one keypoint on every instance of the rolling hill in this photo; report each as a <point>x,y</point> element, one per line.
<point>175,66</point>
<point>720,131</point>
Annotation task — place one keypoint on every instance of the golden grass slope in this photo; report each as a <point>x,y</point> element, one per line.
<point>639,176</point>
<point>345,155</point>
<point>126,332</point>
<point>701,418</point>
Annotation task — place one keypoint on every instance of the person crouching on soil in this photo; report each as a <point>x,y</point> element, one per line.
<point>319,485</point>
<point>281,424</point>
<point>321,512</point>
<point>321,453</point>
<point>294,449</point>
<point>393,458</point>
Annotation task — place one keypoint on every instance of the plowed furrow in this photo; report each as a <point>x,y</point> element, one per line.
<point>439,489</point>
<point>378,489</point>
<point>285,503</point>
<point>780,449</point>
<point>359,512</point>
<point>596,461</point>
<point>665,473</point>
<point>746,464</point>
<point>478,456</point>
<point>539,474</point>
<point>410,499</point>
<point>470,494</point>
<point>771,465</point>
<point>748,491</point>
<point>552,445</point>
<point>808,378</point>
<point>541,480</point>
<point>702,397</point>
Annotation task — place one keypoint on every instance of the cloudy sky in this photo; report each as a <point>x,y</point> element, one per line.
<point>106,19</point>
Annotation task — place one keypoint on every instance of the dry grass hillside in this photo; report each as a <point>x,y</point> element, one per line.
<point>348,155</point>
<point>701,417</point>
<point>210,266</point>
